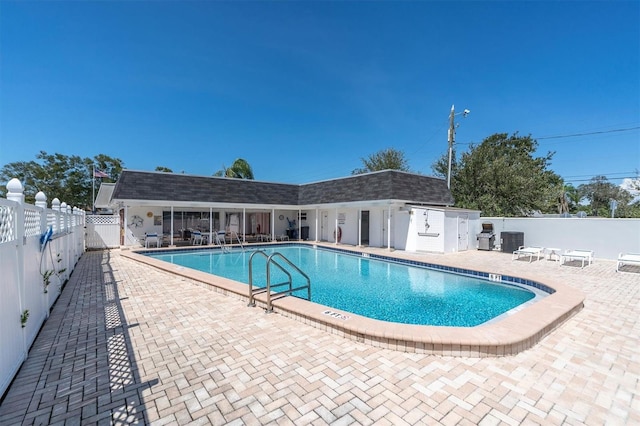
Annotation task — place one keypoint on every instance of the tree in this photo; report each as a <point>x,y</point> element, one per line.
<point>441,166</point>
<point>563,201</point>
<point>634,183</point>
<point>68,178</point>
<point>501,177</point>
<point>386,159</point>
<point>573,197</point>
<point>568,198</point>
<point>163,169</point>
<point>240,169</point>
<point>600,192</point>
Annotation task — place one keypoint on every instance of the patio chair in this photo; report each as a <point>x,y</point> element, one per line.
<point>151,239</point>
<point>627,259</point>
<point>196,238</point>
<point>220,238</point>
<point>582,255</point>
<point>528,251</point>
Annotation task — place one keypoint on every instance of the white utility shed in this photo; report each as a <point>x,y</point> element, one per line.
<point>442,229</point>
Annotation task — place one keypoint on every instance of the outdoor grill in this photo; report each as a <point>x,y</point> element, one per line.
<point>487,237</point>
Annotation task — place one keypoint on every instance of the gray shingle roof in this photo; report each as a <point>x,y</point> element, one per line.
<point>383,185</point>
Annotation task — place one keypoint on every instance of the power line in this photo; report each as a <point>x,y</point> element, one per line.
<point>601,174</point>
<point>589,179</point>
<point>589,133</point>
<point>572,135</point>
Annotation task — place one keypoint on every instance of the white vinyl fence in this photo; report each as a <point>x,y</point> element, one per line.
<point>102,232</point>
<point>32,274</point>
<point>607,237</point>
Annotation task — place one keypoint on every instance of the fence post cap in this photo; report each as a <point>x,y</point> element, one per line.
<point>41,200</point>
<point>14,185</point>
<point>15,190</point>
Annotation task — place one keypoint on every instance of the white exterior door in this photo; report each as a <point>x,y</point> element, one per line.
<point>324,226</point>
<point>463,232</point>
<point>386,227</point>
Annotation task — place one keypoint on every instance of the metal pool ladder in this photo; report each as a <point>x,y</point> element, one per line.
<point>220,239</point>
<point>271,260</point>
<point>237,239</point>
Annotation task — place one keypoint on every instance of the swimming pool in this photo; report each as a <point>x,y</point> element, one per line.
<point>374,288</point>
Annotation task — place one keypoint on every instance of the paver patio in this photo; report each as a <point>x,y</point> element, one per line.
<point>127,343</point>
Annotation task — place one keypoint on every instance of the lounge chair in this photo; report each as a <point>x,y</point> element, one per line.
<point>528,251</point>
<point>151,239</point>
<point>581,255</point>
<point>627,259</point>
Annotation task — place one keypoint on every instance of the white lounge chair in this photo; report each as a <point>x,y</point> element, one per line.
<point>582,255</point>
<point>528,251</point>
<point>627,259</point>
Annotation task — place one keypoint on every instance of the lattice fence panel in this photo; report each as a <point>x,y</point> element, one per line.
<point>103,220</point>
<point>8,216</point>
<point>32,222</point>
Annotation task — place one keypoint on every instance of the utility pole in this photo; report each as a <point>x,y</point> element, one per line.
<point>452,137</point>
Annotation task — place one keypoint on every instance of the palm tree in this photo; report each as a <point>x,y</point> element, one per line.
<point>240,169</point>
<point>573,196</point>
<point>563,202</point>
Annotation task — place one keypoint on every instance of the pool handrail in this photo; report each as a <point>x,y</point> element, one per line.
<point>232,233</point>
<point>270,296</point>
<point>252,293</point>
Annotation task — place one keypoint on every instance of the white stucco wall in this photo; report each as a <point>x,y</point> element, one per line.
<point>438,230</point>
<point>607,237</point>
<point>427,231</point>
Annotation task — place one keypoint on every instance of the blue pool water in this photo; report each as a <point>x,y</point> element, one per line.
<point>373,288</point>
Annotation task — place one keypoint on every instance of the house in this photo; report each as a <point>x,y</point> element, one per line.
<point>377,209</point>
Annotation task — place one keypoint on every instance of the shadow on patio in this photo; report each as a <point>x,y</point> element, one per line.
<point>81,367</point>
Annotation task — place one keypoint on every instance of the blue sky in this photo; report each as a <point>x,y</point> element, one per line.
<point>304,90</point>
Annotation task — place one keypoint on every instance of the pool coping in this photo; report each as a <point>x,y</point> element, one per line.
<point>510,335</point>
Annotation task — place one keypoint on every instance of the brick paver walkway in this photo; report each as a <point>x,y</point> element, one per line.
<point>130,344</point>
